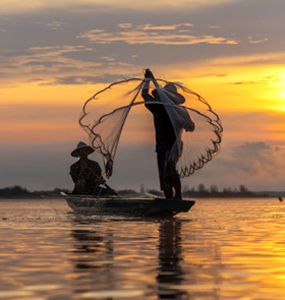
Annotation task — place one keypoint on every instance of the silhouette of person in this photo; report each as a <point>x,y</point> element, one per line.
<point>165,135</point>
<point>87,174</point>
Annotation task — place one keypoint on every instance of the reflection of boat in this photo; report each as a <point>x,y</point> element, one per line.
<point>133,207</point>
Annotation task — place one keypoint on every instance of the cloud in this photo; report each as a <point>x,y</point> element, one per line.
<point>46,61</point>
<point>257,165</point>
<point>77,80</point>
<point>149,34</point>
<point>43,43</point>
<point>262,80</point>
<point>150,27</point>
<point>55,25</point>
<point>14,6</point>
<point>125,25</point>
<point>259,160</point>
<point>214,26</point>
<point>251,40</point>
<point>250,59</point>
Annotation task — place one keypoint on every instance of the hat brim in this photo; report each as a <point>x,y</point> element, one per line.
<point>173,96</point>
<point>79,151</point>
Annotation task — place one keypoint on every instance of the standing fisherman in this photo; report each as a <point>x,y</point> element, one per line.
<point>165,135</point>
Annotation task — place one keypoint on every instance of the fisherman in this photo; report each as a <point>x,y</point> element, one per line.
<point>87,174</point>
<point>166,136</point>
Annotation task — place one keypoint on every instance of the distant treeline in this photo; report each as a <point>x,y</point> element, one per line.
<point>19,192</point>
<point>213,192</point>
<point>200,192</point>
<point>15,192</point>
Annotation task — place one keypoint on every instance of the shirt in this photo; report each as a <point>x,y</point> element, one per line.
<point>164,132</point>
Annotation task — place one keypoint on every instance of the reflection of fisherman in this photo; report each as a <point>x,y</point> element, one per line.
<point>86,174</point>
<point>166,136</point>
<point>170,259</point>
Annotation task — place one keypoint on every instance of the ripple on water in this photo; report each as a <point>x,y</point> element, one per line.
<point>222,249</point>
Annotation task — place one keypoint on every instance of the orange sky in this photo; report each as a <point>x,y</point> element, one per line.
<point>243,89</point>
<point>54,57</point>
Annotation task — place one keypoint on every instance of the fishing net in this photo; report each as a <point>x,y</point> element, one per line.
<point>105,113</point>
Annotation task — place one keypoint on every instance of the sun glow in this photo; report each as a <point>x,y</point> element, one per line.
<point>279,99</point>
<point>282,108</point>
<point>281,93</point>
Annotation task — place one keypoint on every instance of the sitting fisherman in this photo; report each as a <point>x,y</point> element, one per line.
<point>166,137</point>
<point>86,174</point>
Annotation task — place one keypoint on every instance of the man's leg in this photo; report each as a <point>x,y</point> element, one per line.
<point>168,192</point>
<point>161,158</point>
<point>172,178</point>
<point>176,182</point>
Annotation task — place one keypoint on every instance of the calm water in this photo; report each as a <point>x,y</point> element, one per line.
<point>221,249</point>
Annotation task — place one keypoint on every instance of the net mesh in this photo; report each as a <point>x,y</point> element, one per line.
<point>104,115</point>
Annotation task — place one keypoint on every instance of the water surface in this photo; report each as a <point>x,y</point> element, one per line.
<point>222,249</point>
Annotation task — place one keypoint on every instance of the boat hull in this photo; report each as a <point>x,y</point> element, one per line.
<point>131,207</point>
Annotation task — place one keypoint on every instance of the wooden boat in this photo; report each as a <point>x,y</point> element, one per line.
<point>131,207</point>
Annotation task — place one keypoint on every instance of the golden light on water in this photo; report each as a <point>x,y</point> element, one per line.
<point>221,249</point>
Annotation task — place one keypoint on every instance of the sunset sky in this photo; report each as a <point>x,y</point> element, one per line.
<point>54,56</point>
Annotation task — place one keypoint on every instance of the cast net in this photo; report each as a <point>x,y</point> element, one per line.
<point>105,113</point>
